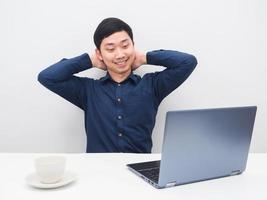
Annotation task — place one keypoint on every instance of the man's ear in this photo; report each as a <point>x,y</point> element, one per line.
<point>98,54</point>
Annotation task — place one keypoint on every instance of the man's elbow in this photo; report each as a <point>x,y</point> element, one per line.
<point>42,78</point>
<point>192,61</point>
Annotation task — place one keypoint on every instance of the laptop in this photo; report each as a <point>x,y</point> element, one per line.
<point>200,145</point>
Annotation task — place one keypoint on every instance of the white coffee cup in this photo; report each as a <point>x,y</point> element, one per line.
<point>50,169</point>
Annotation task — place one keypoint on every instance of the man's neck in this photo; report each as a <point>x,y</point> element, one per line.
<point>119,77</point>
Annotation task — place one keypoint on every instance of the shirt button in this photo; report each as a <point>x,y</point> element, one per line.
<point>119,100</point>
<point>119,117</point>
<point>119,84</point>
<point>119,134</point>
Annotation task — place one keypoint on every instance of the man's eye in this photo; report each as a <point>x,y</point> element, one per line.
<point>110,50</point>
<point>125,46</point>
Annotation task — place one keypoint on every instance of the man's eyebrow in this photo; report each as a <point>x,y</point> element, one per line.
<point>125,40</point>
<point>112,44</point>
<point>109,44</point>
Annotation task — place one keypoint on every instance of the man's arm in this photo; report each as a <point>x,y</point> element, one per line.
<point>178,68</point>
<point>59,78</point>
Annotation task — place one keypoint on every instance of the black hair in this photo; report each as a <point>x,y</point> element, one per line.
<point>109,26</point>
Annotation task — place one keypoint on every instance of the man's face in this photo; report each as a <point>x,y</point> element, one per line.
<point>117,52</point>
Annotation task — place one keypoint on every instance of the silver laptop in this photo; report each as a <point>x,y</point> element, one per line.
<point>200,145</point>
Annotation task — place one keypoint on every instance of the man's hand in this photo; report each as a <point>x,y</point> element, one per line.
<point>140,59</point>
<point>97,62</point>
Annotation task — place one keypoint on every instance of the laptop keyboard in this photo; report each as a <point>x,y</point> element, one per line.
<point>152,173</point>
<point>149,169</point>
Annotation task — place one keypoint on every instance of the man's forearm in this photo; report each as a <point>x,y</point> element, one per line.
<point>64,69</point>
<point>170,59</point>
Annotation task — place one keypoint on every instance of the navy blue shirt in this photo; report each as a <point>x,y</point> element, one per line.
<point>119,117</point>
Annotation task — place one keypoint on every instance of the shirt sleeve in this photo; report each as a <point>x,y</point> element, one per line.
<point>60,79</point>
<point>178,68</point>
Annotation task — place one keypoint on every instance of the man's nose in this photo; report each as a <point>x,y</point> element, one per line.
<point>119,53</point>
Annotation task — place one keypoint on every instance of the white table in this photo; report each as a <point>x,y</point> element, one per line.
<point>105,176</point>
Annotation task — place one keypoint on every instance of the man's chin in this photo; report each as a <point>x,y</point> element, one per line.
<point>123,69</point>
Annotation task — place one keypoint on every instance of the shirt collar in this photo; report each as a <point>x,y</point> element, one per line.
<point>132,77</point>
<point>104,78</point>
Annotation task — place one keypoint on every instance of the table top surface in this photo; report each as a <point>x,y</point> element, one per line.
<point>106,176</point>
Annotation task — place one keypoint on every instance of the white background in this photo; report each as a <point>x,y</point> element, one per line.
<point>227,36</point>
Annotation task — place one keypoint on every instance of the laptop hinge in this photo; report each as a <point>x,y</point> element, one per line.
<point>235,172</point>
<point>171,184</point>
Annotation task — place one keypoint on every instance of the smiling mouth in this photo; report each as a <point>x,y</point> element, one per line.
<point>121,63</point>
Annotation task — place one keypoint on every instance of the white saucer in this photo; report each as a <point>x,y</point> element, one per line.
<point>33,180</point>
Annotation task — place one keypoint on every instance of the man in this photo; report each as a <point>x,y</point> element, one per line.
<point>120,108</point>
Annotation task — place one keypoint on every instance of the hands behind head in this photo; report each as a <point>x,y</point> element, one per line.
<point>140,59</point>
<point>96,62</point>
